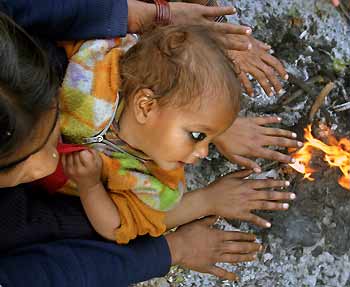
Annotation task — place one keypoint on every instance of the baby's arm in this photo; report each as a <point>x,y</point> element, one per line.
<point>85,169</point>
<point>233,197</point>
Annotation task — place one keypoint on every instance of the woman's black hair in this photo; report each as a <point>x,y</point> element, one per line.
<point>28,85</point>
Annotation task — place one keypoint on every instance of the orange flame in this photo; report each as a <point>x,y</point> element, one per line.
<point>337,154</point>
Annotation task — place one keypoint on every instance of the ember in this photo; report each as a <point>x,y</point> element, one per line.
<point>337,154</point>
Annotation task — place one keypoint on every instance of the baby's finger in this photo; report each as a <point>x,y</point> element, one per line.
<point>246,84</point>
<point>278,132</point>
<point>222,273</point>
<point>70,162</point>
<point>273,195</point>
<point>246,162</point>
<point>76,160</point>
<point>281,141</point>
<point>257,220</point>
<point>273,155</point>
<point>261,121</point>
<point>267,183</point>
<point>86,157</point>
<point>69,166</point>
<point>269,205</point>
<point>63,160</point>
<point>275,64</point>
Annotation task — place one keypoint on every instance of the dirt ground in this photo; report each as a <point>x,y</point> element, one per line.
<point>309,245</point>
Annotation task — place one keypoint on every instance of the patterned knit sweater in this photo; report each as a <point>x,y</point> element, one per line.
<point>90,104</point>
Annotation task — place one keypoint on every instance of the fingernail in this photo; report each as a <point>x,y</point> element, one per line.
<point>281,92</point>
<point>268,46</point>
<point>255,256</point>
<point>249,46</point>
<point>261,248</point>
<point>257,169</point>
<point>234,10</point>
<point>294,135</point>
<point>292,160</point>
<point>285,205</point>
<point>248,31</point>
<point>286,77</point>
<point>270,94</point>
<point>287,183</point>
<point>300,144</point>
<point>293,196</point>
<point>268,225</point>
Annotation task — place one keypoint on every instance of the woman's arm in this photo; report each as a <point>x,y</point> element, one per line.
<point>81,263</point>
<point>32,216</point>
<point>70,20</point>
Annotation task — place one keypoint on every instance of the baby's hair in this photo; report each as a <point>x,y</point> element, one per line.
<point>28,86</point>
<point>185,60</point>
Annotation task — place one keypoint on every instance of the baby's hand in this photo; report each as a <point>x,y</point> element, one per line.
<point>83,167</point>
<point>247,137</point>
<point>236,198</point>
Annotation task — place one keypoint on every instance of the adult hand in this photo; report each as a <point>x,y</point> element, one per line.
<point>199,247</point>
<point>247,137</point>
<point>141,15</point>
<point>261,65</point>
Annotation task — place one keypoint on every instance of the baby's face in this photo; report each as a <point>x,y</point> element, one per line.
<point>182,135</point>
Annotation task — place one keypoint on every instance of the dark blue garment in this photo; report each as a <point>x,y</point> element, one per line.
<point>70,19</point>
<point>78,263</point>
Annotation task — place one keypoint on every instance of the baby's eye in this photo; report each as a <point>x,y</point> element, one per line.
<point>198,136</point>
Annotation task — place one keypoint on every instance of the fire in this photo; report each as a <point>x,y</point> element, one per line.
<point>337,154</point>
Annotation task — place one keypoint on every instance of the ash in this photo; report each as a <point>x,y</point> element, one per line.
<point>309,245</point>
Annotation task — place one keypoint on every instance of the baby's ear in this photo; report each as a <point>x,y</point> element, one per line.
<point>145,105</point>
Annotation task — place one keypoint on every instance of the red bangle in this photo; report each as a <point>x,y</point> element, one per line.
<point>163,15</point>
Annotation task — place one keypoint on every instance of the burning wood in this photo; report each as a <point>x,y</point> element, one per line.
<point>337,154</point>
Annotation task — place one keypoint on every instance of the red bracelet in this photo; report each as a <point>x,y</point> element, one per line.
<point>163,15</point>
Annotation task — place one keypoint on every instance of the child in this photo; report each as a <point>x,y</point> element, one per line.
<point>178,93</point>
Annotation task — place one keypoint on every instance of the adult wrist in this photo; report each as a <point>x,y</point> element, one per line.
<point>140,15</point>
<point>175,247</point>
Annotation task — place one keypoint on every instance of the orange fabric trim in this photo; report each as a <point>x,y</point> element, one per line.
<point>71,47</point>
<point>136,217</point>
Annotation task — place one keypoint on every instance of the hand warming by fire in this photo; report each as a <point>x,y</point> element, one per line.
<point>337,154</point>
